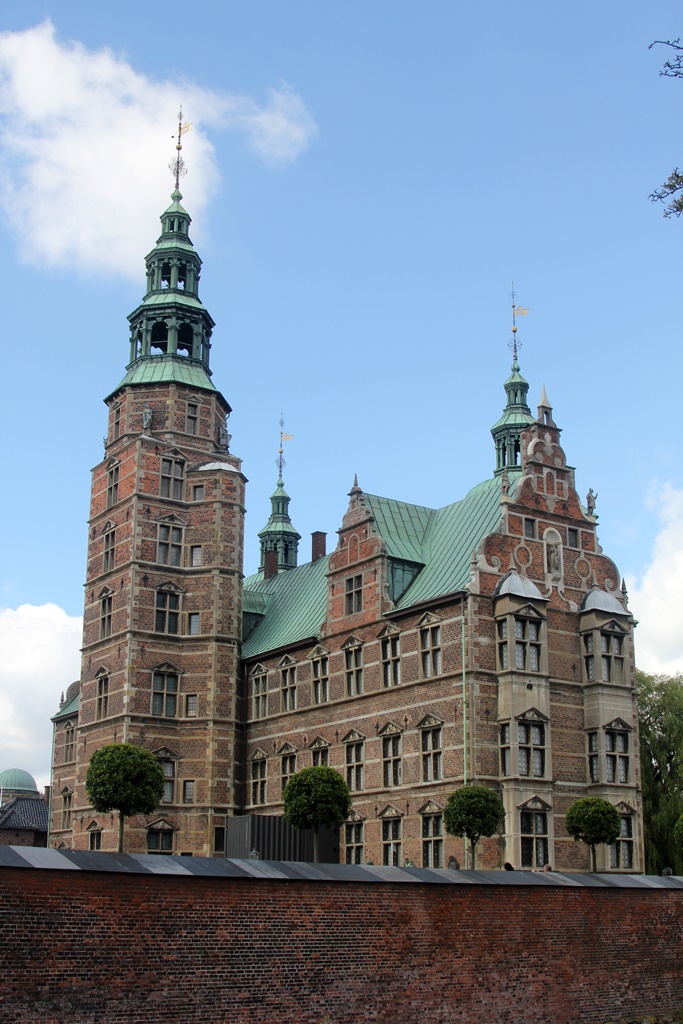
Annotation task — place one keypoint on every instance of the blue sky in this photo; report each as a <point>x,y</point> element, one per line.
<point>366,181</point>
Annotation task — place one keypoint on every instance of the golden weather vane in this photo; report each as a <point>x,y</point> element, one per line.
<point>514,344</point>
<point>280,455</point>
<point>177,165</point>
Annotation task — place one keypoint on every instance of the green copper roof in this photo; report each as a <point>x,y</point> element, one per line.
<point>403,527</point>
<point>17,778</point>
<point>171,299</point>
<point>296,604</point>
<point>166,369</point>
<point>70,707</point>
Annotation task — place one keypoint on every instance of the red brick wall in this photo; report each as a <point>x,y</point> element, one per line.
<point>91,947</point>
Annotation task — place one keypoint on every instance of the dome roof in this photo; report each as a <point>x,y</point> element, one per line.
<point>17,779</point>
<point>210,466</point>
<point>600,600</point>
<point>520,586</point>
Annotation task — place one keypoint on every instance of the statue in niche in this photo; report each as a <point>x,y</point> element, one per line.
<point>147,416</point>
<point>553,557</point>
<point>505,484</point>
<point>224,438</point>
<point>590,501</point>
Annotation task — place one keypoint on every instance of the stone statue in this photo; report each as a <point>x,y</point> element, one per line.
<point>224,438</point>
<point>554,557</point>
<point>590,501</point>
<point>505,484</point>
<point>147,416</point>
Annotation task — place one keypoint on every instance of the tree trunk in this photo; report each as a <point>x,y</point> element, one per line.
<point>594,863</point>
<point>120,831</point>
<point>473,846</point>
<point>315,845</point>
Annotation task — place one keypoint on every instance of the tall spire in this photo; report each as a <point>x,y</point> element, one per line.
<point>279,534</point>
<point>516,414</point>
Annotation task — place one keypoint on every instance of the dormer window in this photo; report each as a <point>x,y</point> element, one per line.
<point>607,664</point>
<point>527,644</point>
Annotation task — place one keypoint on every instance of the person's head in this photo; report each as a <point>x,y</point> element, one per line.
<point>547,868</point>
<point>508,866</point>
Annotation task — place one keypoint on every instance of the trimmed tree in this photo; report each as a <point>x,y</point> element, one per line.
<point>594,821</point>
<point>317,798</point>
<point>124,778</point>
<point>473,812</point>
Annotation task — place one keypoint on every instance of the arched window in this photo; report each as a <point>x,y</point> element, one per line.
<point>182,276</point>
<point>160,337</point>
<point>185,340</point>
<point>165,281</point>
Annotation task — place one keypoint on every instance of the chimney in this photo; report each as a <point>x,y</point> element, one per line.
<point>269,564</point>
<point>318,545</point>
<point>46,795</point>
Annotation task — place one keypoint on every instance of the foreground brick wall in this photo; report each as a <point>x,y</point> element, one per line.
<point>88,947</point>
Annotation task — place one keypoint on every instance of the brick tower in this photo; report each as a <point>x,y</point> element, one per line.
<point>164,575</point>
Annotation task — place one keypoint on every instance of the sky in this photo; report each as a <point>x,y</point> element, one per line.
<point>366,181</point>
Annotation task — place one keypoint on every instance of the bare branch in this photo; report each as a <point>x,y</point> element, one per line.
<point>672,68</point>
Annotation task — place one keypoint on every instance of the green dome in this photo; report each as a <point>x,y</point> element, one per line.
<point>17,779</point>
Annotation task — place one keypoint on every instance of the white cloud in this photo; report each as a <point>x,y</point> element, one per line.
<point>86,142</point>
<point>655,598</point>
<point>40,658</point>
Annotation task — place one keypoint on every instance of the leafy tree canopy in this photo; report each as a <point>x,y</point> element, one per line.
<point>674,183</point>
<point>593,821</point>
<point>473,812</point>
<point>660,711</point>
<point>317,797</point>
<point>124,778</point>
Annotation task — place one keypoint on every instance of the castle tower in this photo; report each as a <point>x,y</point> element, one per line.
<point>164,576</point>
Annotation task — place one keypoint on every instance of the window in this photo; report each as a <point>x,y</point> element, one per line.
<point>288,688</point>
<point>191,705</point>
<point>198,492</point>
<point>170,545</point>
<point>391,760</point>
<point>611,664</point>
<point>354,765</point>
<point>534,830</point>
<point>95,840</point>
<point>69,746</point>
<point>219,839</point>
<point>259,694</point>
<point>102,709</point>
<point>572,538</point>
<point>391,661</point>
<point>354,595</point>
<point>616,759</point>
<point>196,555</point>
<point>288,768</point>
<point>167,612</point>
<point>621,852</point>
<point>505,764</point>
<point>354,670</point>
<point>193,624</point>
<point>168,768</point>
<point>353,845</point>
<point>430,646</point>
<point>105,616</point>
<point>593,757</point>
<point>531,737</point>
<point>530,529</point>
<point>116,424</point>
<point>172,471</point>
<point>431,754</point>
<point>321,757</point>
<point>160,841</point>
<point>67,809</point>
<point>164,694</point>
<point>188,791</point>
<point>108,551</point>
<point>112,486</point>
<point>321,681</point>
<point>258,781</point>
<point>432,841</point>
<point>391,841</point>
<point>192,416</point>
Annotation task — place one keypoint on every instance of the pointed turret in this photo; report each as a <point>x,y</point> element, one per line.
<point>279,534</point>
<point>516,417</point>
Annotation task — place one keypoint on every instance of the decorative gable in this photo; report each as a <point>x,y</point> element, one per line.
<point>286,662</point>
<point>353,737</point>
<point>620,724</point>
<point>109,525</point>
<point>625,808</point>
<point>532,715</point>
<point>389,630</point>
<point>166,754</point>
<point>429,722</point>
<point>534,803</point>
<point>171,519</point>
<point>167,666</point>
<point>614,627</point>
<point>94,826</point>
<point>258,670</point>
<point>430,808</point>
<point>172,587</point>
<point>162,825</point>
<point>287,748</point>
<point>318,652</point>
<point>355,816</point>
<point>318,743</point>
<point>352,641</point>
<point>258,755</point>
<point>429,619</point>
<point>390,729</point>
<point>390,812</point>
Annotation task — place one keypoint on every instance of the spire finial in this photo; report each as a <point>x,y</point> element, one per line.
<point>280,452</point>
<point>514,344</point>
<point>177,166</point>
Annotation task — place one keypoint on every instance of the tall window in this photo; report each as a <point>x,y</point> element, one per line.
<point>168,768</point>
<point>593,757</point>
<point>527,645</point>
<point>432,767</point>
<point>531,737</point>
<point>69,746</point>
<point>505,763</point>
<point>608,665</point>
<point>95,840</point>
<point>288,768</point>
<point>167,615</point>
<point>353,844</point>
<point>67,809</point>
<point>106,602</point>
<point>191,705</point>
<point>430,647</point>
<point>102,709</point>
<point>112,486</point>
<point>198,492</point>
<point>391,841</point>
<point>192,417</point>
<point>258,781</point>
<point>354,765</point>
<point>321,757</point>
<point>621,852</point>
<point>432,841</point>
<point>259,695</point>
<point>170,545</point>
<point>616,755</point>
<point>172,471</point>
<point>288,688</point>
<point>354,670</point>
<point>165,694</point>
<point>193,624</point>
<point>534,830</point>
<point>391,760</point>
<point>116,424</point>
<point>196,555</point>
<point>188,791</point>
<point>159,841</point>
<point>108,551</point>
<point>354,595</point>
<point>321,680</point>
<point>391,660</point>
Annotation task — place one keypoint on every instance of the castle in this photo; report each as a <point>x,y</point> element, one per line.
<point>485,642</point>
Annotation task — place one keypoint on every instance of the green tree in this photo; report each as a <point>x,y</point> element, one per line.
<point>660,711</point>
<point>674,183</point>
<point>317,798</point>
<point>594,821</point>
<point>124,778</point>
<point>473,812</point>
